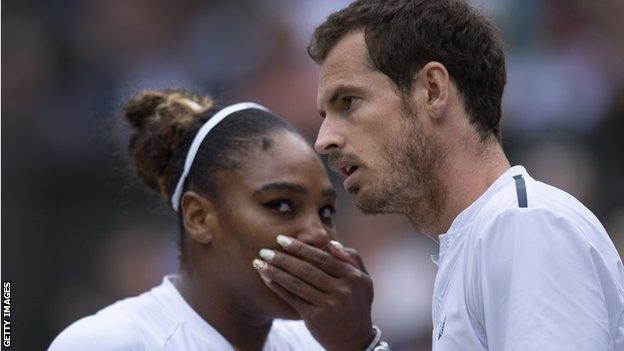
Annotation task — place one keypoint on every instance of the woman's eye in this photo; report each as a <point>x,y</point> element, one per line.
<point>326,213</point>
<point>280,206</point>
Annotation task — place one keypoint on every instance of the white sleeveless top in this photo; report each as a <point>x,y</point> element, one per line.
<point>160,319</point>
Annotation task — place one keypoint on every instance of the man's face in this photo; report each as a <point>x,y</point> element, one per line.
<point>372,138</point>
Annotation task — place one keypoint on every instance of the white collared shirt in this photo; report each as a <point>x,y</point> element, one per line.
<point>527,267</point>
<point>160,319</point>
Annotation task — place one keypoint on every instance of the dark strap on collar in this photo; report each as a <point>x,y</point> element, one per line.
<point>521,191</point>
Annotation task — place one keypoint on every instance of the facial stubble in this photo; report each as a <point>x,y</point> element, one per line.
<point>411,183</point>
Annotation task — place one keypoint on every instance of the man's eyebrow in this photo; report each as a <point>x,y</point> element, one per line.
<point>339,90</point>
<point>296,188</point>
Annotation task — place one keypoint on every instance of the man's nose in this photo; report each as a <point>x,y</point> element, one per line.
<point>328,137</point>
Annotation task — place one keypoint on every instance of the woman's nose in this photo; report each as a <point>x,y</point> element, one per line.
<point>314,234</point>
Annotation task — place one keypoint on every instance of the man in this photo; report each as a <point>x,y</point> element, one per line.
<point>410,95</point>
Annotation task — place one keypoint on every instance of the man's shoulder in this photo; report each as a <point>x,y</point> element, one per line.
<point>526,199</point>
<point>542,216</point>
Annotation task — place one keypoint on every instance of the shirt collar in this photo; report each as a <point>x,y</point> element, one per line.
<point>466,216</point>
<point>469,212</point>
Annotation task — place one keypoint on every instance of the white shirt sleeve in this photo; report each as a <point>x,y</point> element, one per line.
<point>540,284</point>
<point>95,333</point>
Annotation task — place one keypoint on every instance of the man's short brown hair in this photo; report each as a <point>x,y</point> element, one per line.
<point>403,35</point>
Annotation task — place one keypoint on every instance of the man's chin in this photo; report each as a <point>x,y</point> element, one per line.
<point>369,203</point>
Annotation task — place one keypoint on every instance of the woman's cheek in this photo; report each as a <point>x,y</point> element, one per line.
<point>333,233</point>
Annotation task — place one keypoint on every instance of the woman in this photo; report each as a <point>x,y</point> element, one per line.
<point>243,183</point>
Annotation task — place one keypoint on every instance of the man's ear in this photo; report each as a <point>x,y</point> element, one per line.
<point>199,217</point>
<point>435,80</point>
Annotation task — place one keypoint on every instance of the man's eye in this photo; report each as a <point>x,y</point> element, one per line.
<point>280,206</point>
<point>349,101</point>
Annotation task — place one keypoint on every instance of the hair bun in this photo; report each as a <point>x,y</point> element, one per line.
<point>142,107</point>
<point>161,119</point>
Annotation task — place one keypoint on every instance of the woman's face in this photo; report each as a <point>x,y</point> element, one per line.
<point>282,189</point>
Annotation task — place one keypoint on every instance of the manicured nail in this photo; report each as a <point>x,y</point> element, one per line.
<point>259,265</point>
<point>267,254</point>
<point>336,244</point>
<point>283,240</point>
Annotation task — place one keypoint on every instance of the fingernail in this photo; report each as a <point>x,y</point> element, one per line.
<point>267,254</point>
<point>283,240</point>
<point>336,244</point>
<point>259,265</point>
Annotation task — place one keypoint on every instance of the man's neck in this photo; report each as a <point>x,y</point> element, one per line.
<point>465,178</point>
<point>218,308</point>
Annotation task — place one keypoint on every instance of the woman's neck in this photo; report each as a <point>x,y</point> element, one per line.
<point>224,312</point>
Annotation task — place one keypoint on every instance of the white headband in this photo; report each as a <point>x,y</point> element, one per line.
<point>199,138</point>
